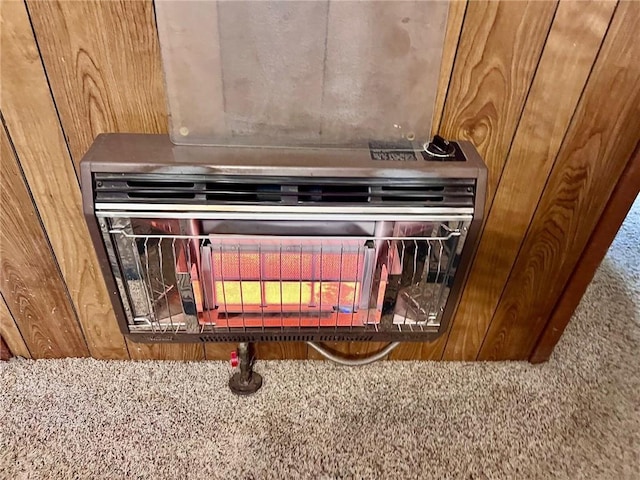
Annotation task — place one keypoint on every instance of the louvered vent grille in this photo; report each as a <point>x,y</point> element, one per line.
<point>153,188</point>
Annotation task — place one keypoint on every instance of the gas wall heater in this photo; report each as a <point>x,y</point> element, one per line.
<point>297,196</point>
<point>221,244</point>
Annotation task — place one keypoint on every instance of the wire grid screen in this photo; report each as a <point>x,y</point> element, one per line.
<point>229,283</point>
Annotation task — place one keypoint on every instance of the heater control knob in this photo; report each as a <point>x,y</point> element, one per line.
<point>439,149</point>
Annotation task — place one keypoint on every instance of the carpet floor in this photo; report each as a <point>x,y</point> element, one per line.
<point>577,416</point>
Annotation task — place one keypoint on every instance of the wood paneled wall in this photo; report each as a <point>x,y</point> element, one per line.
<point>549,92</point>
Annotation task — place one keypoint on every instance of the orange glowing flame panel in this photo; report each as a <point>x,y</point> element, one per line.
<point>310,280</point>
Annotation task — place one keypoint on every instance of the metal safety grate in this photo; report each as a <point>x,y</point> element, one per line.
<point>235,284</point>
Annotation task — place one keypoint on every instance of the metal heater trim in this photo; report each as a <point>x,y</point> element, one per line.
<point>295,209</point>
<point>283,216</point>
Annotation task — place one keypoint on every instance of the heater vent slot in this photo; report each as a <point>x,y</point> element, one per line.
<point>162,195</point>
<point>338,338</point>
<point>222,337</point>
<point>253,190</point>
<point>243,192</point>
<point>333,193</point>
<point>161,185</point>
<point>417,193</point>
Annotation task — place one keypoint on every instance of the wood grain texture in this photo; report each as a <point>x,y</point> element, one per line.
<point>499,49</point>
<point>10,333</point>
<point>31,283</point>
<point>553,97</point>
<point>591,159</point>
<point>498,52</point>
<point>5,352</point>
<point>413,350</point>
<point>32,122</point>
<point>219,351</point>
<point>420,351</point>
<point>617,208</point>
<point>166,351</point>
<point>450,47</point>
<point>281,350</point>
<point>103,63</point>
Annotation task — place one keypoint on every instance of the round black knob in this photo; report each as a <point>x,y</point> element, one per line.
<point>440,148</point>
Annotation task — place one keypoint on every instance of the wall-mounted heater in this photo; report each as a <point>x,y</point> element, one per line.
<point>297,197</point>
<point>217,244</point>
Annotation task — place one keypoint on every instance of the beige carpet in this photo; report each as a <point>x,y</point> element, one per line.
<point>577,416</point>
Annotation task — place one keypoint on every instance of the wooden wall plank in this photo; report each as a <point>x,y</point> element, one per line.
<point>499,49</point>
<point>31,283</point>
<point>166,351</point>
<point>32,122</point>
<point>103,63</point>
<point>498,53</point>
<point>621,201</point>
<point>553,97</point>
<point>449,49</point>
<point>602,135</point>
<point>281,350</point>
<point>263,350</point>
<point>420,350</point>
<point>10,333</point>
<point>413,350</point>
<point>219,351</point>
<point>5,353</point>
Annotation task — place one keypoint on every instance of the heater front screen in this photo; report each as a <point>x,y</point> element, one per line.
<point>185,275</point>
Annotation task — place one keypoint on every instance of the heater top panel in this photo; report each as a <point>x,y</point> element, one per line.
<point>148,172</point>
<point>124,153</point>
<point>300,73</point>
